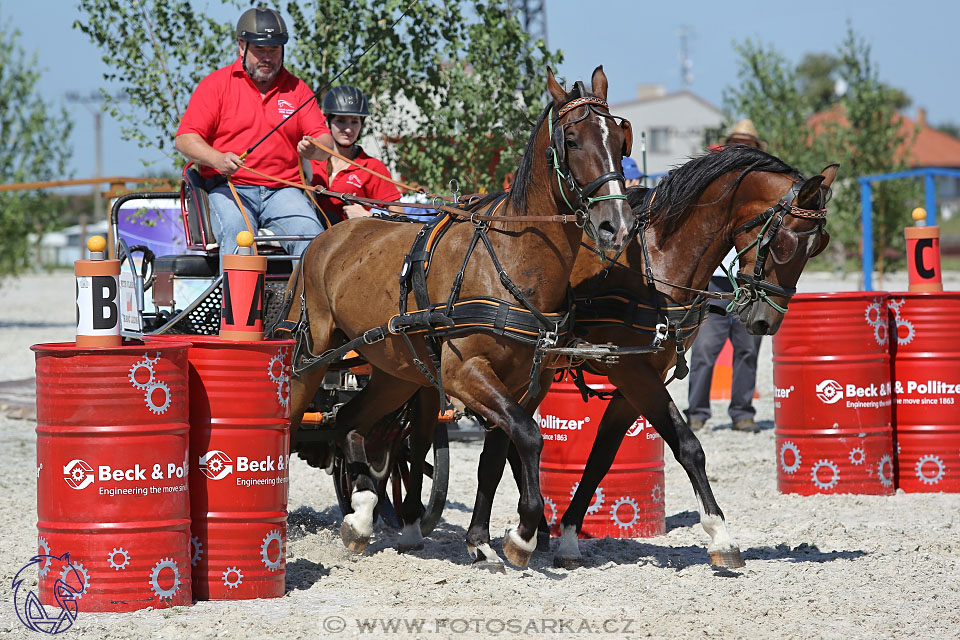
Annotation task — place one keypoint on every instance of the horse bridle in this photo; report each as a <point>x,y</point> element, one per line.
<point>557,156</point>
<point>780,243</point>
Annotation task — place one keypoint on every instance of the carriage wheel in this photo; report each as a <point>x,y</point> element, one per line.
<point>436,477</point>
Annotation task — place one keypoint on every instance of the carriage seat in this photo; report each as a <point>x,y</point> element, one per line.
<point>195,205</point>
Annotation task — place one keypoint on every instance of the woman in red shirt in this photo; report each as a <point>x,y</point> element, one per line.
<point>345,108</point>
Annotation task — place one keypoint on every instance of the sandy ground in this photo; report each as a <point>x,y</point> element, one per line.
<point>839,566</point>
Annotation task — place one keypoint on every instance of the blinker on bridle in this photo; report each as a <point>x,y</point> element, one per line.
<point>557,157</point>
<point>778,242</point>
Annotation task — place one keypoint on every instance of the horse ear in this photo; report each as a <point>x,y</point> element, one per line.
<point>808,197</point>
<point>598,83</point>
<point>829,173</point>
<point>556,91</point>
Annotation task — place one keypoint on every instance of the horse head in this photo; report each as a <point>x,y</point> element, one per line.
<point>791,232</point>
<point>586,145</point>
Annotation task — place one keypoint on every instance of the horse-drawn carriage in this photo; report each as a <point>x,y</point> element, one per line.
<point>637,284</point>
<point>173,281</point>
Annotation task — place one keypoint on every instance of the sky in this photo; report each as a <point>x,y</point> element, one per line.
<point>637,41</point>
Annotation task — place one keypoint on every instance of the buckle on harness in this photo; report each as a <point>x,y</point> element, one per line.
<point>660,335</point>
<point>371,336</point>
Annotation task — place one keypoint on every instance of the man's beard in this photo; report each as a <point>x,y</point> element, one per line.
<point>258,75</point>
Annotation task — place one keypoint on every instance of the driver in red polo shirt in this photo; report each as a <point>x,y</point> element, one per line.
<point>345,108</point>
<point>230,111</point>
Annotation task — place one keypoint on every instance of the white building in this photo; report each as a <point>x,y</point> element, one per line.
<point>677,125</point>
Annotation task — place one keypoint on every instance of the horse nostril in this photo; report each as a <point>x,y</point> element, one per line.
<point>606,230</point>
<point>761,327</point>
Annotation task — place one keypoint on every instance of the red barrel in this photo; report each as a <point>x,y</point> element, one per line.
<point>629,501</point>
<point>239,448</point>
<point>926,368</point>
<point>112,490</point>
<point>831,377</point>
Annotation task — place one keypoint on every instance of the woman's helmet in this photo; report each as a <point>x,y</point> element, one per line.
<point>345,101</point>
<point>262,27</point>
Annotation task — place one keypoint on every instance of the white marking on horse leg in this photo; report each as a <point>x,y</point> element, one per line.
<point>716,528</point>
<point>569,546</point>
<point>484,549</point>
<point>526,545</point>
<point>361,520</point>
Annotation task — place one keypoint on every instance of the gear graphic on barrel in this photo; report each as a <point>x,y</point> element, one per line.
<point>68,572</point>
<point>873,315</point>
<point>549,506</point>
<point>273,536</point>
<point>78,474</point>
<point>927,459</point>
<point>880,334</point>
<point>830,484</point>
<point>196,550</point>
<point>136,373</point>
<point>214,465</point>
<point>118,554</point>
<point>789,468</point>
<point>615,511</point>
<point>155,359</point>
<point>275,368</point>
<point>283,393</point>
<point>885,470</point>
<point>905,337</point>
<point>656,494</point>
<point>151,404</point>
<point>44,548</point>
<point>857,456</point>
<point>165,594</point>
<point>596,504</point>
<point>236,582</point>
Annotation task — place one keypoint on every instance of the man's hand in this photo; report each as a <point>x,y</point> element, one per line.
<point>356,211</point>
<point>228,163</point>
<point>307,149</point>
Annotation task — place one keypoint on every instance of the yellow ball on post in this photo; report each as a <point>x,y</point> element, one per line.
<point>241,314</point>
<point>98,297</point>
<point>923,254</point>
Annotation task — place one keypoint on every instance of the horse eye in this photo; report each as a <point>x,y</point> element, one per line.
<point>571,143</point>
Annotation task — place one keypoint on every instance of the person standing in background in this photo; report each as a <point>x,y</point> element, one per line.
<point>717,328</point>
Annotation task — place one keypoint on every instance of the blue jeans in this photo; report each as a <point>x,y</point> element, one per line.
<point>285,212</point>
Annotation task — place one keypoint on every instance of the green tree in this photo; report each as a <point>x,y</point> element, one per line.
<point>455,86</point>
<point>817,81</point>
<point>157,51</point>
<point>33,149</point>
<point>864,135</point>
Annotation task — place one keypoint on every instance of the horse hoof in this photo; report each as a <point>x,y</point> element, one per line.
<point>487,565</point>
<point>351,539</point>
<point>517,550</point>
<point>561,562</point>
<point>407,547</point>
<point>543,541</point>
<point>727,559</point>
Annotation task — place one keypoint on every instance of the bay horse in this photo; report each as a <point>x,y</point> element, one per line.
<point>349,286</point>
<point>739,197</point>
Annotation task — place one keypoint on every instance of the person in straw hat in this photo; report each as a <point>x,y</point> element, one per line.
<point>745,133</point>
<point>717,329</point>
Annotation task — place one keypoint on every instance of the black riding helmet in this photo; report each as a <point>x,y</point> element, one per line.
<point>345,101</point>
<point>262,27</point>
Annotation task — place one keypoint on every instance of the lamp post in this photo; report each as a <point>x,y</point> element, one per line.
<point>94,101</point>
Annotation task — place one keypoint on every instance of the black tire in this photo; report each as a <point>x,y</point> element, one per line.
<point>388,501</point>
<point>438,474</point>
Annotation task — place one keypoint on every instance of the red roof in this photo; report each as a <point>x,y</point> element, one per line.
<point>931,148</point>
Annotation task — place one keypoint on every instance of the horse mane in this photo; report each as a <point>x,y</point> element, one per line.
<point>523,177</point>
<point>677,194</point>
